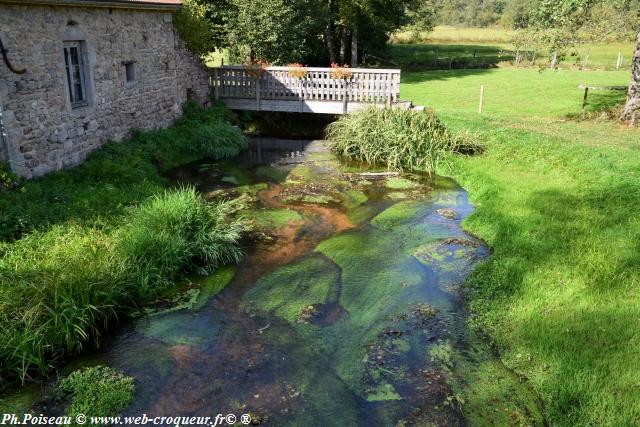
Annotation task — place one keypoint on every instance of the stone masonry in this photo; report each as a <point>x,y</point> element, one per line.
<point>44,132</point>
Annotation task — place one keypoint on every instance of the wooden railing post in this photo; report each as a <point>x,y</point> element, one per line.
<point>345,99</point>
<point>216,85</point>
<point>258,94</point>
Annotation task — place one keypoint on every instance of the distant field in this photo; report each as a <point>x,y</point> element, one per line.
<point>511,92</point>
<point>490,47</point>
<point>447,34</point>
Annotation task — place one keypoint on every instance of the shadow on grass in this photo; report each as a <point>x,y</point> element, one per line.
<point>577,328</point>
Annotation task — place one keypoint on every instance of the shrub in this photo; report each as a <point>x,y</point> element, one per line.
<point>401,139</point>
<point>98,391</point>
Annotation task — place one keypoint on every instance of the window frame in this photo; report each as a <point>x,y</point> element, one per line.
<point>82,73</point>
<point>130,65</point>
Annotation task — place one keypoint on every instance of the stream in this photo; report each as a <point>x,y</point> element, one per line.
<point>347,309</point>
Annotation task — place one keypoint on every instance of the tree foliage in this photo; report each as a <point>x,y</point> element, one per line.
<point>193,27</point>
<point>310,31</point>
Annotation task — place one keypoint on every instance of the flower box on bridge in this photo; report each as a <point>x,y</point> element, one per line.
<point>319,90</point>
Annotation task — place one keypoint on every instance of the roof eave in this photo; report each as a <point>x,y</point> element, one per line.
<point>121,4</point>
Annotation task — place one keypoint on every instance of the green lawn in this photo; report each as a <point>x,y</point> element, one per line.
<point>558,201</point>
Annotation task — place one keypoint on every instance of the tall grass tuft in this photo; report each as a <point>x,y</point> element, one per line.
<point>175,233</point>
<point>400,139</point>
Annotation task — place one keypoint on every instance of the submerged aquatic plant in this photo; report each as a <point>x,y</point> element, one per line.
<point>401,139</point>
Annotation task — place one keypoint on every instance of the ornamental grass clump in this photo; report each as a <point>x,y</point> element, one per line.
<point>175,233</point>
<point>400,139</point>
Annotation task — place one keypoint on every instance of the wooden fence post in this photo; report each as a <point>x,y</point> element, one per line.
<point>481,99</point>
<point>584,99</point>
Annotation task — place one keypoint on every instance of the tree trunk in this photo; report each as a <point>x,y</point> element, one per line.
<point>331,46</point>
<point>343,46</point>
<point>632,107</point>
<point>354,47</point>
<point>554,60</point>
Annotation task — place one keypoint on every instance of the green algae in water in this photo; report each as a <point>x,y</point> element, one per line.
<point>384,391</point>
<point>271,173</point>
<point>399,183</point>
<point>318,199</point>
<point>273,218</point>
<point>300,173</point>
<point>397,214</point>
<point>490,394</point>
<point>194,298</point>
<point>398,195</point>
<point>19,400</point>
<point>234,174</point>
<point>212,285</point>
<point>286,291</point>
<point>252,190</point>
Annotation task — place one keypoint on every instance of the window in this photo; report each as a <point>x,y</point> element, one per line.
<point>129,71</point>
<point>76,73</point>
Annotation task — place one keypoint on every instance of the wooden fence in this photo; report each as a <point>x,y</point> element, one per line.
<point>319,90</point>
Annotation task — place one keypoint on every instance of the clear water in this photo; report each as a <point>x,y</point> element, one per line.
<point>332,317</point>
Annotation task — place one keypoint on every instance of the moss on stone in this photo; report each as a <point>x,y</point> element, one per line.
<point>266,219</point>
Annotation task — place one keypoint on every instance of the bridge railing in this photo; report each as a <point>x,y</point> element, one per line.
<point>361,85</point>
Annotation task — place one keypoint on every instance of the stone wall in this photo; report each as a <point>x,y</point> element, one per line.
<point>45,132</point>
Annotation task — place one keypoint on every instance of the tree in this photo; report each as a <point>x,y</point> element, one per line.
<point>632,106</point>
<point>310,31</point>
<point>194,28</point>
<point>568,17</point>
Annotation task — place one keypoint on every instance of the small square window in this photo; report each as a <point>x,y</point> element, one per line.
<point>129,71</point>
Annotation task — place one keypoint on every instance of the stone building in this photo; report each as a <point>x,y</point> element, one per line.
<point>88,71</point>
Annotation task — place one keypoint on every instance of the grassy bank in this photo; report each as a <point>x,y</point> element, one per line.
<point>557,200</point>
<point>83,245</point>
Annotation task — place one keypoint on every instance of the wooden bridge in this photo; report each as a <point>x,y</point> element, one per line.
<point>305,90</point>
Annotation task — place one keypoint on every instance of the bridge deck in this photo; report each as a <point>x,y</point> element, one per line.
<point>305,90</point>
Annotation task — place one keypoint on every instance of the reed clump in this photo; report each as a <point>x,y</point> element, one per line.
<point>401,139</point>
